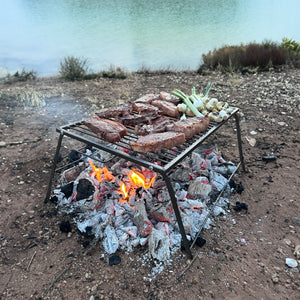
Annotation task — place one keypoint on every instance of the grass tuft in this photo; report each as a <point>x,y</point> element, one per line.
<point>73,68</point>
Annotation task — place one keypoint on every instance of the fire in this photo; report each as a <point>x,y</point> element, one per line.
<point>139,180</point>
<point>124,192</point>
<point>101,174</point>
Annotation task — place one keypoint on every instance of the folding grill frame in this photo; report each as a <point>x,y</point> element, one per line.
<point>168,159</point>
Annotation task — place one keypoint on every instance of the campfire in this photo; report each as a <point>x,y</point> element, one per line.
<point>125,205</point>
<point>140,179</point>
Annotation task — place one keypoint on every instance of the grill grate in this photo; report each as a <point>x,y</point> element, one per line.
<point>164,160</point>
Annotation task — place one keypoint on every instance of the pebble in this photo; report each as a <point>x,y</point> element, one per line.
<point>2,144</point>
<point>282,123</point>
<point>296,221</point>
<point>288,242</point>
<point>292,263</point>
<point>297,251</point>
<point>275,278</point>
<point>253,132</point>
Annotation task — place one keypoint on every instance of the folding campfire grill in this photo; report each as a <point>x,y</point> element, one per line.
<point>162,162</point>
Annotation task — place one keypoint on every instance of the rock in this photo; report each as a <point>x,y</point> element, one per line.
<point>251,141</point>
<point>275,278</point>
<point>292,263</point>
<point>297,251</point>
<point>288,242</point>
<point>296,221</point>
<point>281,123</point>
<point>2,144</point>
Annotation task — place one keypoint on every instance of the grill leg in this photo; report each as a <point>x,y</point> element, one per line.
<point>53,167</point>
<point>238,132</point>
<point>177,213</point>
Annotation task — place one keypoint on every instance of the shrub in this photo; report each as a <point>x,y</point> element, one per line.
<point>20,76</point>
<point>291,46</point>
<point>114,72</point>
<point>245,57</point>
<point>73,68</point>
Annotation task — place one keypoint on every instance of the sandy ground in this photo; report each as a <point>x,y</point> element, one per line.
<point>245,254</point>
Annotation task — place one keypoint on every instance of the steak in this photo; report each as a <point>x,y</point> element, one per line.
<point>106,129</point>
<point>121,110</point>
<point>157,141</point>
<point>157,125</point>
<point>166,108</point>
<point>148,98</point>
<point>144,107</point>
<point>191,126</point>
<point>135,119</point>
<point>169,97</point>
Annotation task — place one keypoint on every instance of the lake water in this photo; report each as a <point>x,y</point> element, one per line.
<point>37,34</point>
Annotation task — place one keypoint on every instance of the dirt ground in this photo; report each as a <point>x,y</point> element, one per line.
<point>245,254</point>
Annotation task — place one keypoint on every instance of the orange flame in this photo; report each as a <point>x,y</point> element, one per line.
<point>138,179</point>
<point>124,192</point>
<point>101,174</point>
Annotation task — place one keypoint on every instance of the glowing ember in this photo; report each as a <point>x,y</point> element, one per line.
<point>101,174</point>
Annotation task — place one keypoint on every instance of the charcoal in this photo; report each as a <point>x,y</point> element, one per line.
<point>200,241</point>
<point>65,226</point>
<point>74,155</point>
<point>85,189</point>
<point>114,260</point>
<point>67,189</point>
<point>239,189</point>
<point>85,244</point>
<point>239,206</point>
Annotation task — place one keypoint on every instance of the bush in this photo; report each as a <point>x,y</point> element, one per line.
<point>252,56</point>
<point>73,68</point>
<point>114,72</point>
<point>20,76</point>
<point>291,46</point>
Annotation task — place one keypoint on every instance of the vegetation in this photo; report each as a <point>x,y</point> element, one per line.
<point>73,68</point>
<point>114,72</point>
<point>245,58</point>
<point>20,76</point>
<point>291,46</point>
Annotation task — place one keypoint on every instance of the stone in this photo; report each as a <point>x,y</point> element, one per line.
<point>2,144</point>
<point>275,278</point>
<point>297,252</point>
<point>292,263</point>
<point>296,221</point>
<point>282,124</point>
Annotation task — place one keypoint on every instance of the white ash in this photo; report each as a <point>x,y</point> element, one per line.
<point>147,217</point>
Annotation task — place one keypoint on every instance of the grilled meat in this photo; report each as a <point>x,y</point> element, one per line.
<point>190,126</point>
<point>169,97</point>
<point>157,125</point>
<point>119,111</point>
<point>157,141</point>
<point>106,129</point>
<point>135,119</point>
<point>166,108</point>
<point>148,98</point>
<point>144,108</point>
